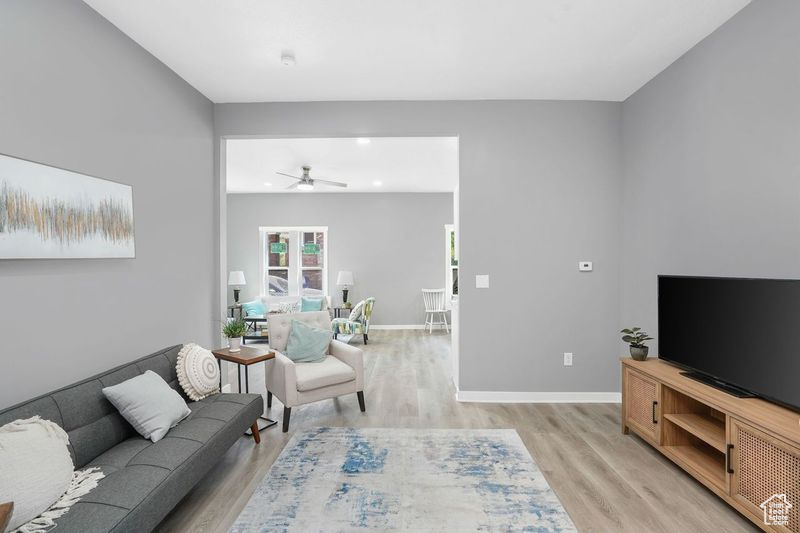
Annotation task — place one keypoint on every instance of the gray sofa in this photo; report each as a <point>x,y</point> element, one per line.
<point>144,481</point>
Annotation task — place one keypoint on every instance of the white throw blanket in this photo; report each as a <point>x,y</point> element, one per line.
<point>82,482</point>
<point>38,474</point>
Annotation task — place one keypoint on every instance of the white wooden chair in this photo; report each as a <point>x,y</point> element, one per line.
<point>435,309</point>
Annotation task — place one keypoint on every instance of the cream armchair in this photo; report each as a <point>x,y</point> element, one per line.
<point>342,371</point>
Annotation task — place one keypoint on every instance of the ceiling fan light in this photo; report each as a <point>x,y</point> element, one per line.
<point>288,60</point>
<point>305,187</point>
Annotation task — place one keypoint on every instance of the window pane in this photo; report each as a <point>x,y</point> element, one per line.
<point>312,279</point>
<point>313,249</point>
<point>278,282</point>
<point>278,249</point>
<point>453,260</point>
<point>455,281</point>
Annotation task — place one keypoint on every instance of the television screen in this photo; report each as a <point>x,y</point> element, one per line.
<point>745,332</point>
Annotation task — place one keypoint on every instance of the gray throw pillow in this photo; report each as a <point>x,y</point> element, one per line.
<point>148,404</point>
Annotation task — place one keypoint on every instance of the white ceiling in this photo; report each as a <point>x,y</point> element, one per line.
<point>407,164</point>
<point>417,49</point>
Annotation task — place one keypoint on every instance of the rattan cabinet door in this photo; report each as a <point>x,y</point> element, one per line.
<point>641,405</point>
<point>764,467</point>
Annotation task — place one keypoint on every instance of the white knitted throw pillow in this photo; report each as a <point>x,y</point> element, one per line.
<point>198,372</point>
<point>37,474</point>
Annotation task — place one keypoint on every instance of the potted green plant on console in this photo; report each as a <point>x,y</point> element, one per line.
<point>234,330</point>
<point>636,338</point>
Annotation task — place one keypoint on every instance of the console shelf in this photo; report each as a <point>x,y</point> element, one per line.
<point>707,463</point>
<point>745,450</point>
<point>706,428</point>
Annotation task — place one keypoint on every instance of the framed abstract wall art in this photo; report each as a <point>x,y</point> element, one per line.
<point>52,213</point>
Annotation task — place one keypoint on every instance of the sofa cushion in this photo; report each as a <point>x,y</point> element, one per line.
<point>92,423</point>
<point>127,486</point>
<point>331,371</point>
<point>144,480</point>
<point>100,436</point>
<point>149,404</point>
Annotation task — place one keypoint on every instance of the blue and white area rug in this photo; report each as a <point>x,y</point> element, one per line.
<point>344,479</point>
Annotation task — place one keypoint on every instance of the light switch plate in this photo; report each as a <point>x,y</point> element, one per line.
<point>585,266</point>
<point>567,358</point>
<point>482,281</point>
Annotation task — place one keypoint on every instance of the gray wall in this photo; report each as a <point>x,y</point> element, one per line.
<point>78,94</point>
<point>711,160</point>
<point>393,243</point>
<point>540,186</point>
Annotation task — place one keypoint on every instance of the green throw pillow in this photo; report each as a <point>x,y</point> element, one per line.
<point>307,344</point>
<point>310,304</point>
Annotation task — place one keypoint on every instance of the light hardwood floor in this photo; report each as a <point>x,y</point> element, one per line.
<point>606,481</point>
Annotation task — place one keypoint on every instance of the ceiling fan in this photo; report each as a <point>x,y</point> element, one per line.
<point>306,183</point>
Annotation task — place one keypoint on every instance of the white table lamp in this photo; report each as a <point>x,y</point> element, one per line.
<point>345,281</point>
<point>236,278</point>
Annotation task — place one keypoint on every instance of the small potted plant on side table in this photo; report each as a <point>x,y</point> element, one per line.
<point>636,338</point>
<point>234,330</point>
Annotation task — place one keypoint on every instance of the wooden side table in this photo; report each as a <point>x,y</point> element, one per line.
<point>246,356</point>
<point>6,510</point>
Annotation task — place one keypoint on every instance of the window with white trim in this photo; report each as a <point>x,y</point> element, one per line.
<point>451,262</point>
<point>294,261</point>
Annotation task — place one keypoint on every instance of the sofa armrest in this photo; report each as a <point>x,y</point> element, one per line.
<point>281,379</point>
<point>352,356</point>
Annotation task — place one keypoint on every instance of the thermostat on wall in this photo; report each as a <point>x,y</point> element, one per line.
<point>585,266</point>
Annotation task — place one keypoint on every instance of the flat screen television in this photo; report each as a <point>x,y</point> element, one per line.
<point>743,333</point>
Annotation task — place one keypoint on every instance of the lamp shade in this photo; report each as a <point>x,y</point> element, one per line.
<point>345,278</point>
<point>236,277</point>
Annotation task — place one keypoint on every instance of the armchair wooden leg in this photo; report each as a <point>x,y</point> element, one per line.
<point>361,403</point>
<point>366,338</point>
<point>287,412</point>
<point>269,399</point>
<point>256,433</point>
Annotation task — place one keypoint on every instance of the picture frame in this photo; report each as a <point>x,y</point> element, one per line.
<point>47,212</point>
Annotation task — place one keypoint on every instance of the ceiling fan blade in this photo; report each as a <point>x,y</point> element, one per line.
<point>293,185</point>
<point>288,175</point>
<point>334,183</point>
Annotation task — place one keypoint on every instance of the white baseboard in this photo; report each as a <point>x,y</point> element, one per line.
<point>537,397</point>
<point>396,326</point>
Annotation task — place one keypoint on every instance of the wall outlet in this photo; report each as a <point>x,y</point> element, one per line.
<point>567,359</point>
<point>482,281</point>
<point>585,266</point>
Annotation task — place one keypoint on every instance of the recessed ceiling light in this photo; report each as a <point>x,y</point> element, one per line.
<point>288,60</point>
<point>267,184</point>
<point>363,140</point>
<point>377,183</point>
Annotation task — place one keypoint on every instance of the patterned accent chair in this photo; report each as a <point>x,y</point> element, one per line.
<point>357,323</point>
